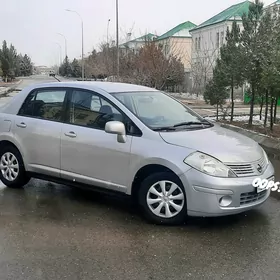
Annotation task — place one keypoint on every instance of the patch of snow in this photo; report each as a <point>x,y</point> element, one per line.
<point>245,118</point>
<point>199,97</point>
<point>235,100</point>
<point>188,96</point>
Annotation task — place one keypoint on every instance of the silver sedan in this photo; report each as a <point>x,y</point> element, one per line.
<point>133,140</point>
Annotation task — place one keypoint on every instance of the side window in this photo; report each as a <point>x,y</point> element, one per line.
<point>44,104</point>
<point>91,110</point>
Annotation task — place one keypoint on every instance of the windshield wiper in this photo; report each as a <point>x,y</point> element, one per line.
<point>192,123</point>
<point>173,128</point>
<point>164,129</point>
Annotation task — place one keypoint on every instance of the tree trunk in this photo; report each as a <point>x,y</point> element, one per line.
<point>266,108</point>
<point>275,110</point>
<point>271,113</point>
<point>232,103</point>
<point>261,108</point>
<point>217,112</point>
<point>252,106</point>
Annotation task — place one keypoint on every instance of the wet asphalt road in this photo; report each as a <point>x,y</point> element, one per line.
<point>50,231</point>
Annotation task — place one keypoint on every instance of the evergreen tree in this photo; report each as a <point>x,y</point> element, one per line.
<point>65,68</point>
<point>252,48</point>
<point>5,61</point>
<point>269,30</point>
<point>231,64</point>
<point>13,64</point>
<point>76,68</point>
<point>215,91</point>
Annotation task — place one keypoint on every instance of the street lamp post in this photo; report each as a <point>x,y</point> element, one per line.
<point>83,65</point>
<point>60,55</point>
<point>65,41</point>
<point>108,32</point>
<point>117,37</point>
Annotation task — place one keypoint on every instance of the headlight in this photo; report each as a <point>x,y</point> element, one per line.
<point>265,157</point>
<point>209,165</point>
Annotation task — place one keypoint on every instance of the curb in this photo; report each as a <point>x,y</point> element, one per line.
<point>213,108</point>
<point>270,144</point>
<point>8,89</point>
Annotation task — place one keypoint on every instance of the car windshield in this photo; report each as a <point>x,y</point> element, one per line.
<point>157,110</point>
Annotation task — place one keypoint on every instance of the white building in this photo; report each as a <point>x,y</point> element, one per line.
<point>209,36</point>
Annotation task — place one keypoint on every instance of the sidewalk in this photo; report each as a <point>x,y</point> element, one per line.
<point>199,102</point>
<point>6,87</point>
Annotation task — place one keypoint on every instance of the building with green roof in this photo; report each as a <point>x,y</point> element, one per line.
<point>230,14</point>
<point>207,39</point>
<point>178,42</point>
<point>182,30</point>
<point>135,44</point>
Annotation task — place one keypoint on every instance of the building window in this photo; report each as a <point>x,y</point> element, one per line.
<point>199,43</point>
<point>222,37</point>
<point>217,40</point>
<point>166,49</point>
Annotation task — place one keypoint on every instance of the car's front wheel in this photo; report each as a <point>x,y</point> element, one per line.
<point>12,171</point>
<point>163,199</point>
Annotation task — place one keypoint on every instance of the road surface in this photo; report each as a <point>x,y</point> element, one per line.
<point>27,81</point>
<point>50,232</point>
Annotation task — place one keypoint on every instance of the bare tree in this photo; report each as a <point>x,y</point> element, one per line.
<point>202,63</point>
<point>149,66</point>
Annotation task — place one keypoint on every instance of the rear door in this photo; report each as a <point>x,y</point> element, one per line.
<point>37,128</point>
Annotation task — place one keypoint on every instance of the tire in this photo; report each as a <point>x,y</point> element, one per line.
<point>21,178</point>
<point>151,210</point>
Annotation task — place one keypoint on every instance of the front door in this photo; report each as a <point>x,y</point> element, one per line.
<point>37,129</point>
<point>88,154</point>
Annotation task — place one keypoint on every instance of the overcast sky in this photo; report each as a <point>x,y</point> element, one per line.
<point>31,25</point>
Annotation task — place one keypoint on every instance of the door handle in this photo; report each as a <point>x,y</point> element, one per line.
<point>22,124</point>
<point>71,134</point>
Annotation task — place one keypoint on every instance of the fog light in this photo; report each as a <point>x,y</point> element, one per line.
<point>225,201</point>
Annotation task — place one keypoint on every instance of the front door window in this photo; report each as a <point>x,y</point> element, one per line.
<point>91,110</point>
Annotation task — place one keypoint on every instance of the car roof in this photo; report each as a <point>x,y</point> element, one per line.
<point>13,106</point>
<point>109,87</point>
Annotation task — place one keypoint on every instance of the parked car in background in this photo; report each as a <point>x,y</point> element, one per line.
<point>133,140</point>
<point>52,73</point>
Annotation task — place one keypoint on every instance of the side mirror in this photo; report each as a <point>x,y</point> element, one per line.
<point>118,128</point>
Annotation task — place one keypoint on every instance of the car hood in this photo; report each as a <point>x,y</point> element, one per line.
<point>224,144</point>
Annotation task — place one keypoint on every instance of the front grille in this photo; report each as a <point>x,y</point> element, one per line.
<point>251,197</point>
<point>248,169</point>
<point>242,170</point>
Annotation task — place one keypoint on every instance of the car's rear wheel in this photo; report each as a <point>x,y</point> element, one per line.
<point>12,171</point>
<point>163,199</point>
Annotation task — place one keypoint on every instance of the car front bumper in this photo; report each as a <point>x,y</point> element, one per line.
<point>204,193</point>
